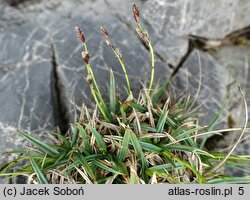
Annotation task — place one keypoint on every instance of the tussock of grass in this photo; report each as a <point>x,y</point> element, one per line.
<point>145,140</point>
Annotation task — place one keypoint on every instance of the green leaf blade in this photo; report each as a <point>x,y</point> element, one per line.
<point>100,142</point>
<point>44,147</point>
<point>125,143</point>
<point>112,92</point>
<point>101,165</point>
<point>138,150</point>
<point>162,120</point>
<point>85,164</point>
<point>38,171</point>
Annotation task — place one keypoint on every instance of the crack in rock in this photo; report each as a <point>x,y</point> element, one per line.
<point>58,96</point>
<point>16,3</point>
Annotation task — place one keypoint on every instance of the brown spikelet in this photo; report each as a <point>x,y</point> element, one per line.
<point>79,34</point>
<point>104,32</point>
<point>89,79</point>
<point>143,35</point>
<point>85,57</point>
<point>136,13</point>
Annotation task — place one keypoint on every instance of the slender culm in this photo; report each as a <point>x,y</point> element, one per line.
<point>119,57</point>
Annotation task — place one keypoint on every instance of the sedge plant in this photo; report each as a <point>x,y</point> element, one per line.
<point>146,140</point>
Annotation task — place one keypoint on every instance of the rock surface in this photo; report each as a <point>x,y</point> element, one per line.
<point>41,69</point>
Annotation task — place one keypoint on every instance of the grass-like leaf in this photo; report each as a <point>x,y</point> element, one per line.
<point>162,120</point>
<point>125,143</point>
<point>38,171</point>
<point>99,140</point>
<point>138,150</point>
<point>74,135</point>
<point>59,163</point>
<point>41,145</point>
<point>151,147</point>
<point>134,178</point>
<point>179,147</point>
<point>105,167</point>
<point>138,107</point>
<point>85,164</point>
<point>87,158</point>
<point>165,167</point>
<point>112,92</point>
<point>184,164</point>
<point>63,139</point>
<point>85,138</point>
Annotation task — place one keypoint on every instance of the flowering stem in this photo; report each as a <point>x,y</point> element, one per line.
<point>144,36</point>
<point>91,79</point>
<point>97,101</point>
<point>118,55</point>
<point>124,71</point>
<point>90,72</point>
<point>152,67</point>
